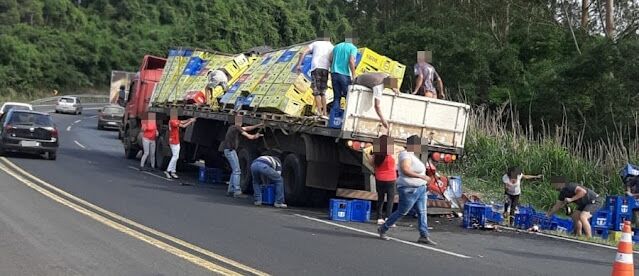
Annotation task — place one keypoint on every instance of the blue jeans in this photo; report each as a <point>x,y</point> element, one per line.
<point>409,197</point>
<point>260,171</point>
<point>340,87</point>
<point>234,162</point>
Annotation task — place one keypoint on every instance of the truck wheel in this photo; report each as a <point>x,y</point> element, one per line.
<point>294,174</point>
<point>130,151</point>
<point>246,157</point>
<point>162,151</point>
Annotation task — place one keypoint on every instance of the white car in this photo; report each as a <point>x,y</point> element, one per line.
<point>14,105</point>
<point>69,104</point>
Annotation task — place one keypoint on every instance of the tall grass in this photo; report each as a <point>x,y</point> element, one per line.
<point>497,140</point>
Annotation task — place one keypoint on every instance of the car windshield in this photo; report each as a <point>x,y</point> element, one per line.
<point>24,118</point>
<point>14,107</point>
<point>113,110</point>
<point>67,100</point>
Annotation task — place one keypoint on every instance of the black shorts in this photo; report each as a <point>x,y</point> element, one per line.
<point>592,207</point>
<point>319,81</point>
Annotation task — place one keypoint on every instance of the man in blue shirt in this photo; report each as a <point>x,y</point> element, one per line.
<point>343,69</point>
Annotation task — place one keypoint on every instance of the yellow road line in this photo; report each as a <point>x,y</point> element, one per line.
<point>128,221</point>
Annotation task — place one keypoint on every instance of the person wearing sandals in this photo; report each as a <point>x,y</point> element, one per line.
<point>174,142</point>
<point>383,163</point>
<point>411,187</point>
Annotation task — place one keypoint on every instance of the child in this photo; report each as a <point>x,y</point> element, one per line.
<point>512,185</point>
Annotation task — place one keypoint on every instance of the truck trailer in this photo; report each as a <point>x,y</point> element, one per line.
<point>318,156</point>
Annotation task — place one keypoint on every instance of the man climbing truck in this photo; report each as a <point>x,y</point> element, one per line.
<point>317,156</point>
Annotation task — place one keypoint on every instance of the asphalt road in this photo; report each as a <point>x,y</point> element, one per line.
<point>91,166</point>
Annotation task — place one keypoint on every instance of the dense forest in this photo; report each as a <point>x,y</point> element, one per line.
<point>569,62</point>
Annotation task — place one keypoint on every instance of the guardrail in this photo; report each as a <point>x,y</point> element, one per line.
<point>85,99</point>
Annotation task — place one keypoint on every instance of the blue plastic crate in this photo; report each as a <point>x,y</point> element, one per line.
<point>268,194</point>
<point>544,222</point>
<point>476,214</point>
<point>336,118</point>
<point>600,231</point>
<point>564,225</point>
<point>618,221</point>
<point>360,210</point>
<point>201,176</point>
<point>523,220</point>
<point>496,217</point>
<point>601,219</point>
<point>340,210</point>
<point>620,205</point>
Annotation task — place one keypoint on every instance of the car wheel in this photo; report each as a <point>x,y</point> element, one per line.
<point>50,155</point>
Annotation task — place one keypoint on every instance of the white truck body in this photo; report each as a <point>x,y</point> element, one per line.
<point>440,123</point>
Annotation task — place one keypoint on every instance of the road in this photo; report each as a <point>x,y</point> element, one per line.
<point>140,223</point>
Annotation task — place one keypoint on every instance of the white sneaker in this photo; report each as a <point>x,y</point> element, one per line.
<point>167,174</point>
<point>174,175</point>
<point>380,221</point>
<point>281,205</point>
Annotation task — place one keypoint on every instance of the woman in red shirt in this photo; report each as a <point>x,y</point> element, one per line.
<point>174,142</point>
<point>385,175</point>
<point>149,134</point>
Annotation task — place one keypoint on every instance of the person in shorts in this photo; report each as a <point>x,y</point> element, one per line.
<point>321,50</point>
<point>587,202</point>
<point>377,82</point>
<point>426,75</point>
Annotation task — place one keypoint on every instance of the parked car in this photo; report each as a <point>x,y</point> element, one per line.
<point>29,132</point>
<point>110,116</point>
<point>69,104</point>
<point>14,105</point>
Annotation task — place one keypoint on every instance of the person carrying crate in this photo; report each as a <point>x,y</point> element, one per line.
<point>512,189</point>
<point>586,199</point>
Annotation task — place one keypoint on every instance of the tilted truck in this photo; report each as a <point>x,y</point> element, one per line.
<point>318,156</point>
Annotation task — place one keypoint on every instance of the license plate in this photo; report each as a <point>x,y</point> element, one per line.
<point>29,143</point>
<point>112,123</point>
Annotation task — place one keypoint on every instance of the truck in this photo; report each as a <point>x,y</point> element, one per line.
<point>119,78</point>
<point>318,156</point>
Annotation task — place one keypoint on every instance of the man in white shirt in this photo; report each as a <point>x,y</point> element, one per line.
<point>217,77</point>
<point>321,50</point>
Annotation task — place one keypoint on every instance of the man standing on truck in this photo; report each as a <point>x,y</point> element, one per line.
<point>426,75</point>
<point>343,69</point>
<point>377,82</point>
<point>267,170</point>
<point>229,147</point>
<point>217,77</point>
<point>586,199</point>
<point>321,51</point>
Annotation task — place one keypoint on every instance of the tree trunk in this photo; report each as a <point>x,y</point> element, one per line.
<point>585,13</point>
<point>610,25</point>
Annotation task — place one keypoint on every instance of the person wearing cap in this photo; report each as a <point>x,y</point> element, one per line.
<point>377,82</point>
<point>411,187</point>
<point>587,202</point>
<point>267,170</point>
<point>217,77</point>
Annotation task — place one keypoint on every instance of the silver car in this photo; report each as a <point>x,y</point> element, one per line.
<point>69,104</point>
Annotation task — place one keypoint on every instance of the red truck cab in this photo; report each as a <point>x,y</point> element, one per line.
<point>137,103</point>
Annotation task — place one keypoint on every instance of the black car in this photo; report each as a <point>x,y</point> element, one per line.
<point>29,132</point>
<point>110,117</point>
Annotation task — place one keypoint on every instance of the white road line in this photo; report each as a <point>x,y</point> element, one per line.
<point>79,145</point>
<point>94,116</point>
<point>77,121</point>
<point>566,239</point>
<point>69,128</point>
<point>392,239</point>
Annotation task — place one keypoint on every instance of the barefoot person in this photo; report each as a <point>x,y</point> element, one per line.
<point>586,199</point>
<point>321,50</point>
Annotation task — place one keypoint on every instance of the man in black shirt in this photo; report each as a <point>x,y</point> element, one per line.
<point>586,199</point>
<point>229,147</point>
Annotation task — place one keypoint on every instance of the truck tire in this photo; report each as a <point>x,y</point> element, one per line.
<point>130,151</point>
<point>294,174</point>
<point>162,151</point>
<point>246,157</point>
